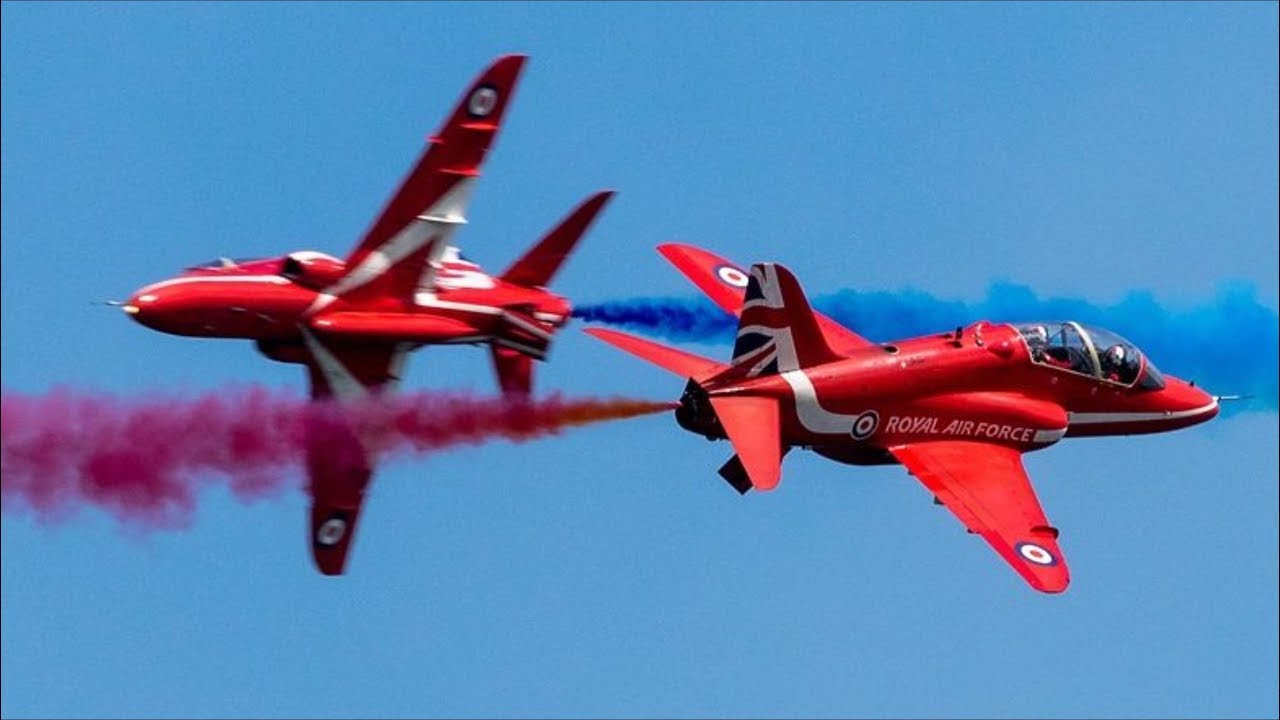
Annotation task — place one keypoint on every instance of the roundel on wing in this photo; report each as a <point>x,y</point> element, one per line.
<point>482,101</point>
<point>731,275</point>
<point>865,425</point>
<point>331,532</point>
<point>1036,554</point>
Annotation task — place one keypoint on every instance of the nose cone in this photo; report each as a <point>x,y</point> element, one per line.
<point>1187,404</point>
<point>149,307</point>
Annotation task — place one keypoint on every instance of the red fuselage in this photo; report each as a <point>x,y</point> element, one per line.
<point>272,301</point>
<point>980,385</point>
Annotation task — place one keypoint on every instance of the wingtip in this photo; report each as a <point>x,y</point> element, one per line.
<point>1054,588</point>
<point>505,69</point>
<point>600,197</point>
<point>1050,581</point>
<point>678,253</point>
<point>510,58</point>
<point>672,246</point>
<point>504,72</point>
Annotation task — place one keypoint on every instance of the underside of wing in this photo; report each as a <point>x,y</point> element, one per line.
<point>337,494</point>
<point>339,465</point>
<point>987,488</point>
<point>725,283</point>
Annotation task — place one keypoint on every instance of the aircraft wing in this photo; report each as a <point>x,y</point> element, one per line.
<point>397,253</point>
<point>987,488</point>
<point>338,463</point>
<point>725,283</point>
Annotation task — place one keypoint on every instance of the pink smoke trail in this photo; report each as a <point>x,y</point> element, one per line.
<point>144,460</point>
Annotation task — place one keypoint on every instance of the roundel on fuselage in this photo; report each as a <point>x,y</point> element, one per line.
<point>865,425</point>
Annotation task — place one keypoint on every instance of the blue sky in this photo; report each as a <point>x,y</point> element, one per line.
<point>1082,149</point>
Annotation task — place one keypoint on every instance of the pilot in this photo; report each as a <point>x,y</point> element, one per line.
<point>1113,362</point>
<point>1037,339</point>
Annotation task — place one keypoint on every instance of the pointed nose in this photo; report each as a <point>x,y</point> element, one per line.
<point>1188,403</point>
<point>145,306</point>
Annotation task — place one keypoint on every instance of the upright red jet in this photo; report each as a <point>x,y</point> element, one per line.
<point>958,408</point>
<point>352,322</point>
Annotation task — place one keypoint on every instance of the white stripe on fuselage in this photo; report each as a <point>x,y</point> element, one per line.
<point>1048,436</point>
<point>427,299</point>
<point>272,279</point>
<point>811,414</point>
<point>1078,418</point>
<point>813,417</point>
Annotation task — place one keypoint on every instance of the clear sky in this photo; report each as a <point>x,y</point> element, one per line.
<point>1084,149</point>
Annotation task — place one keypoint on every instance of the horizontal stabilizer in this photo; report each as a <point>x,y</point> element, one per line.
<point>679,362</point>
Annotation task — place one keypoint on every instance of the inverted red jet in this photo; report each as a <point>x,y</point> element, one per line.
<point>353,321</point>
<point>958,409</point>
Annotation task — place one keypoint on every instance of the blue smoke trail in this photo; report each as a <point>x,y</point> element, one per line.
<point>1227,345</point>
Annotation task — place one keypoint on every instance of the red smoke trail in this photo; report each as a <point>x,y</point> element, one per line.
<point>144,460</point>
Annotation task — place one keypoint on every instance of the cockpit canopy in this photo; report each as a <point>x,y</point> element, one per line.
<point>1091,351</point>
<point>223,263</point>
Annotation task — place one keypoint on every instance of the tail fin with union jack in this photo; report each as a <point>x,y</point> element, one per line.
<point>777,331</point>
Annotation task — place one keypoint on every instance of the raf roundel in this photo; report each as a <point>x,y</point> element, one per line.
<point>866,424</point>
<point>331,532</point>
<point>1035,554</point>
<point>732,276</point>
<point>482,101</point>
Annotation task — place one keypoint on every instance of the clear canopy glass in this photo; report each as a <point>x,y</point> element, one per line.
<point>1092,351</point>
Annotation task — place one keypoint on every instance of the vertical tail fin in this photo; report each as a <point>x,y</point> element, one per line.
<point>539,264</point>
<point>777,331</point>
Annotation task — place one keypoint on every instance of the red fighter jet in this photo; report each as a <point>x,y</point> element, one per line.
<point>352,322</point>
<point>958,409</point>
